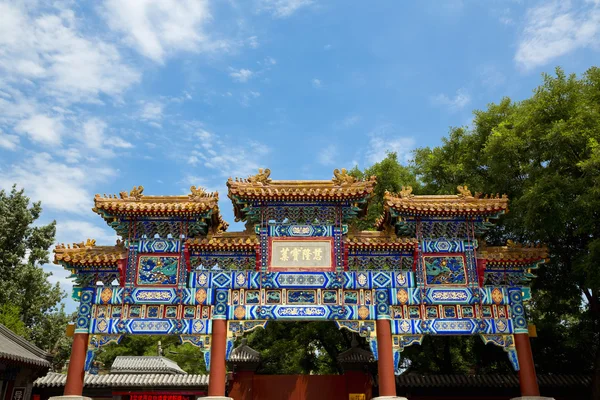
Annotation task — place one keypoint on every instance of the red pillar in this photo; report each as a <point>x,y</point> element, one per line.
<point>217,377</point>
<point>385,362</point>
<point>527,376</point>
<point>75,374</point>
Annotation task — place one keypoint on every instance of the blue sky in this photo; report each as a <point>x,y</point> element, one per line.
<point>96,97</point>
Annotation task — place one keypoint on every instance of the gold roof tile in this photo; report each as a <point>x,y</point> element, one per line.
<point>89,254</point>
<point>463,203</point>
<point>375,239</point>
<point>135,202</point>
<point>224,241</point>
<point>261,186</point>
<point>512,252</point>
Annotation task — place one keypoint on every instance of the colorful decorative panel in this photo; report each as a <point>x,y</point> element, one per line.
<point>301,296</point>
<point>449,270</point>
<point>303,255</point>
<point>157,270</point>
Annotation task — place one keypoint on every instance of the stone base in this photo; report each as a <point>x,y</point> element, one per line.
<point>532,398</point>
<point>389,398</point>
<point>212,398</point>
<point>70,398</point>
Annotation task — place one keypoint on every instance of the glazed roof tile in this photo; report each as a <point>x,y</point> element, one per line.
<point>54,379</point>
<point>145,364</point>
<point>225,241</point>
<point>512,252</point>
<point>377,239</point>
<point>89,254</point>
<point>488,381</point>
<point>260,186</point>
<point>15,348</point>
<point>244,353</point>
<point>199,201</point>
<point>465,202</point>
<point>355,355</point>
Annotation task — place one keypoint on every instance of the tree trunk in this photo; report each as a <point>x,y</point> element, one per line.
<point>596,377</point>
<point>594,307</point>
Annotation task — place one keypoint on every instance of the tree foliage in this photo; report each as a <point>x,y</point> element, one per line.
<point>391,176</point>
<point>544,153</point>
<point>29,303</point>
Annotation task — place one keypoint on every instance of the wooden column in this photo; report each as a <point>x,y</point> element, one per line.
<point>385,362</point>
<point>527,376</point>
<point>75,374</point>
<point>217,377</point>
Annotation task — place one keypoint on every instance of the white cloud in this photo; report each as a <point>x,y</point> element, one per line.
<point>59,186</point>
<point>41,129</point>
<point>152,113</point>
<point>316,83</point>
<point>94,138</point>
<point>120,143</point>
<point>282,8</point>
<point>328,155</point>
<point>47,48</point>
<point>459,101</point>
<point>158,28</point>
<point>93,133</point>
<point>554,29</point>
<point>491,77</point>
<point>253,42</point>
<point>230,157</point>
<point>347,122</point>
<point>240,75</point>
<point>384,139</point>
<point>9,142</point>
<point>77,231</point>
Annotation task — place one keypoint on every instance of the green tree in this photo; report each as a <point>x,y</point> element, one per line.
<point>391,176</point>
<point>24,287</point>
<point>543,152</point>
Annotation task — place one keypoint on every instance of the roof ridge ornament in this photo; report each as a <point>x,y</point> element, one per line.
<point>199,193</point>
<point>342,177</point>
<point>463,191</point>
<point>134,194</point>
<point>406,192</point>
<point>262,177</point>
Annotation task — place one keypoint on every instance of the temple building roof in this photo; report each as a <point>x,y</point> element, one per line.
<point>14,348</point>
<point>88,254</point>
<point>145,215</point>
<point>145,365</point>
<point>260,187</point>
<point>355,355</point>
<point>147,380</point>
<point>244,353</point>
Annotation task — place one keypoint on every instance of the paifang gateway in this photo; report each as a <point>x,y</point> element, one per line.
<point>420,271</point>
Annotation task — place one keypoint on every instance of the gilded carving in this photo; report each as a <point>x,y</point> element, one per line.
<point>134,194</point>
<point>342,177</point>
<point>262,176</point>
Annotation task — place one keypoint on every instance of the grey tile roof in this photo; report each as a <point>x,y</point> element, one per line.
<point>145,365</point>
<point>14,348</point>
<point>54,379</point>
<point>488,381</point>
<point>356,355</point>
<point>244,353</point>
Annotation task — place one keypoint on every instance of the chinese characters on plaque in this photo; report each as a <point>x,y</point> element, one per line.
<point>301,254</point>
